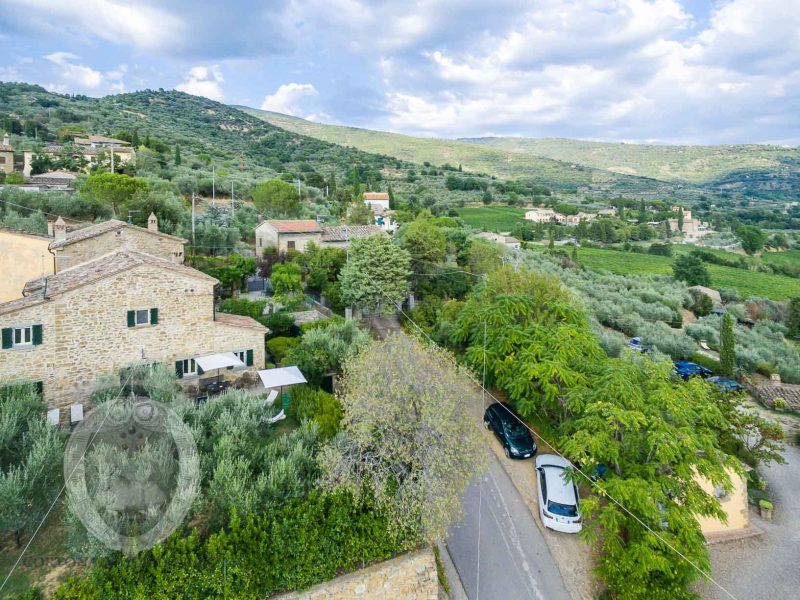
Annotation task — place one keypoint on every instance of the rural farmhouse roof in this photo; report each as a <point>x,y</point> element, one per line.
<point>295,226</point>
<point>100,228</point>
<point>348,232</point>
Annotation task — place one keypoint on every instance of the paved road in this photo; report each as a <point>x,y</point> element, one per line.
<point>515,563</point>
<point>766,567</point>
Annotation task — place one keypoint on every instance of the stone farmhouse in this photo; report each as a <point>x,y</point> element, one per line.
<point>90,148</point>
<point>6,156</point>
<point>297,234</point>
<point>693,229</point>
<point>128,305</point>
<point>547,215</point>
<point>379,203</point>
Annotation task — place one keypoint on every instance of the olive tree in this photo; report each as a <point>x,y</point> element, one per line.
<point>407,434</point>
<point>376,274</point>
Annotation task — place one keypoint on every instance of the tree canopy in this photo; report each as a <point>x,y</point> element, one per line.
<point>690,268</point>
<point>376,276</point>
<point>276,198</point>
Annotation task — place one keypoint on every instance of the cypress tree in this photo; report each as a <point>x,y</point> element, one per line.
<point>727,350</point>
<point>680,219</point>
<point>390,191</point>
<point>177,156</point>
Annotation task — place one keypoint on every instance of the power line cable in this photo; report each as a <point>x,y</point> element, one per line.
<point>39,210</point>
<point>601,490</point>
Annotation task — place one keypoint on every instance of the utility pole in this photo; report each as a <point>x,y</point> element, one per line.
<point>233,204</point>
<point>112,159</point>
<point>298,189</point>
<point>213,184</point>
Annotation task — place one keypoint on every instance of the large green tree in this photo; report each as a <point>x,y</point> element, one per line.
<point>692,270</point>
<point>794,317</point>
<point>114,190</point>
<point>751,238</point>
<point>408,436</point>
<point>425,244</point>
<point>276,198</point>
<point>376,275</point>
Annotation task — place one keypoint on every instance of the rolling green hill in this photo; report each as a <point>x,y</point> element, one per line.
<point>555,174</point>
<point>770,172</point>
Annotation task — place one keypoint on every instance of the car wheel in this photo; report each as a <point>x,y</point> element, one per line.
<point>486,425</point>
<point>508,454</point>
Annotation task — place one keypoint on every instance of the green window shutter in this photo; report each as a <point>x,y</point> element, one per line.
<point>131,318</point>
<point>39,387</point>
<point>153,316</point>
<point>37,335</point>
<point>179,368</point>
<point>8,337</point>
<point>249,360</point>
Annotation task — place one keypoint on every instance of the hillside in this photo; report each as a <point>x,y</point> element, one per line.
<point>555,174</point>
<point>769,172</point>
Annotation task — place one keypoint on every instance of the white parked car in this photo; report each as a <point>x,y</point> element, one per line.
<point>558,497</point>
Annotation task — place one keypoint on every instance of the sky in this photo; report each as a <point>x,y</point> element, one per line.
<point>656,71</point>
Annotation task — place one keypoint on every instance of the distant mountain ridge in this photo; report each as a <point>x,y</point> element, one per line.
<point>758,171</point>
<point>554,173</point>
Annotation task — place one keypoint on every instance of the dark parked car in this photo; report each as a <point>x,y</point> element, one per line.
<point>507,426</point>
<point>726,385</point>
<point>686,369</point>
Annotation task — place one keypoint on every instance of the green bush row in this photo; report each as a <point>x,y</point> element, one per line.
<point>706,361</point>
<point>300,544</point>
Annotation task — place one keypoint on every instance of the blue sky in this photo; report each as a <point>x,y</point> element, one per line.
<point>662,71</point>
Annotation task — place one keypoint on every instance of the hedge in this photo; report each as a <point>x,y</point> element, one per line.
<point>706,361</point>
<point>292,548</point>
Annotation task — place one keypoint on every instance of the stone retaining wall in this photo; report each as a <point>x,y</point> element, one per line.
<point>408,577</point>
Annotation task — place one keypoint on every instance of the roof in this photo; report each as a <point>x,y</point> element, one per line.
<point>558,489</point>
<point>100,228</point>
<point>63,177</point>
<point>86,273</point>
<point>711,293</point>
<point>6,148</point>
<point>100,139</point>
<point>342,233</point>
<point>376,196</point>
<point>238,321</point>
<point>294,226</point>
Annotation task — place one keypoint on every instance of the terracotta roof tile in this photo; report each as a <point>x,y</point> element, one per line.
<point>295,226</point>
<point>86,273</point>
<point>342,233</point>
<point>376,195</point>
<point>100,228</point>
<point>238,321</point>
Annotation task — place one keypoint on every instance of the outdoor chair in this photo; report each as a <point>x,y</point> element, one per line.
<point>279,417</point>
<point>271,398</point>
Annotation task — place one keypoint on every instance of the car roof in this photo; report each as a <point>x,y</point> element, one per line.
<point>505,412</point>
<point>558,489</point>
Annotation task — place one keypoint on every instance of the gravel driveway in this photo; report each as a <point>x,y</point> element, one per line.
<point>766,567</point>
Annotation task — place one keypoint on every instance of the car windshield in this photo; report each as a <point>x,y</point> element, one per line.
<point>515,430</point>
<point>562,510</point>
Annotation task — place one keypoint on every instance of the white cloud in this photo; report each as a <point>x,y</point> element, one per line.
<point>287,97</point>
<point>203,81</point>
<point>73,77</point>
<point>610,69</point>
<point>129,23</point>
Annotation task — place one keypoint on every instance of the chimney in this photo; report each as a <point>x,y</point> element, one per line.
<point>60,229</point>
<point>50,229</point>
<point>6,141</point>
<point>152,222</point>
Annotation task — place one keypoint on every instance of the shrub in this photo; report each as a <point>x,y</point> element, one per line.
<point>706,361</point>
<point>279,346</point>
<point>610,341</point>
<point>281,324</point>
<point>660,249</point>
<point>668,341</point>
<point>317,405</point>
<point>243,306</point>
<point>765,504</point>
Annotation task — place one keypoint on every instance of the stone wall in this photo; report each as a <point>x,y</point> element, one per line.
<point>86,335</point>
<point>408,577</point>
<point>124,238</point>
<point>267,236</point>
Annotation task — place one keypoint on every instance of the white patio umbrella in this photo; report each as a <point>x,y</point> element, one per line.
<point>278,378</point>
<point>218,361</point>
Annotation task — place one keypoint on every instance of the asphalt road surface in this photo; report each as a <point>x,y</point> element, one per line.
<point>512,561</point>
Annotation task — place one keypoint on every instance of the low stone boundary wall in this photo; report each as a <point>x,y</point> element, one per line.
<point>411,576</point>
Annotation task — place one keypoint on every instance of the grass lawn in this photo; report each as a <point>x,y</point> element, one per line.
<point>492,218</point>
<point>748,283</point>
<point>790,257</point>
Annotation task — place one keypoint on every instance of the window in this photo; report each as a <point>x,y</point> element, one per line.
<point>21,336</point>
<point>246,356</point>
<point>290,245</point>
<point>2,160</point>
<point>142,316</point>
<point>187,367</point>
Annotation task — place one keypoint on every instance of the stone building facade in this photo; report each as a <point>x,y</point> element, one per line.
<point>82,245</point>
<point>286,235</point>
<point>6,156</point>
<point>123,309</point>
<point>23,256</point>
